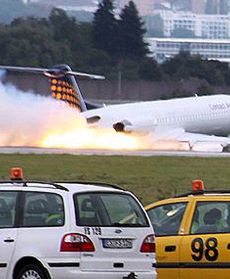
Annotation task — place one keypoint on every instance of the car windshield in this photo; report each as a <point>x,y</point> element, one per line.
<point>108,209</point>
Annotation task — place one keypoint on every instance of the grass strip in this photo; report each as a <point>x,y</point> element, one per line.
<point>150,178</point>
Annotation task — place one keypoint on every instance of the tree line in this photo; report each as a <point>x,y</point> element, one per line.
<point>112,43</point>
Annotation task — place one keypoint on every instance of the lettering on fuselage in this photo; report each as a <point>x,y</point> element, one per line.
<point>220,106</point>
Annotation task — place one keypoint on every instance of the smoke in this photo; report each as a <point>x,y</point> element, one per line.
<point>26,118</point>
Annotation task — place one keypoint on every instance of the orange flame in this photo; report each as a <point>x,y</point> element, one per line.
<point>89,138</point>
<point>108,139</point>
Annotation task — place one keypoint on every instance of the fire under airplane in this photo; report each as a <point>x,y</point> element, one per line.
<point>201,123</point>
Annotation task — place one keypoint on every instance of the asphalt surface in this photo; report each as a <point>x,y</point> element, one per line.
<point>145,153</point>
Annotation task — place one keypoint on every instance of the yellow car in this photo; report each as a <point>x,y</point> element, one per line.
<point>193,234</point>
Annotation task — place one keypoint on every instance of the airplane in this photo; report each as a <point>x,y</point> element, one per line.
<point>202,123</point>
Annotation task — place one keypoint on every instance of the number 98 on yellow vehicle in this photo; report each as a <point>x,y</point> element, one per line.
<point>193,234</point>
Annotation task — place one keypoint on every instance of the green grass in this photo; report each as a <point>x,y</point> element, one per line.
<point>150,178</point>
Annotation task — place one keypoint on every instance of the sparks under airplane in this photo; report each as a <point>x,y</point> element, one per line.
<point>202,123</point>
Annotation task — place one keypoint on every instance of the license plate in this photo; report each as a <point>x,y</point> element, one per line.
<point>117,243</point>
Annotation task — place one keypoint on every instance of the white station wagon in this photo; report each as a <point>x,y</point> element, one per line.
<point>73,230</point>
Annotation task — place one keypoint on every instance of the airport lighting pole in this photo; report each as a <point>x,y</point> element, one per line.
<point>119,81</point>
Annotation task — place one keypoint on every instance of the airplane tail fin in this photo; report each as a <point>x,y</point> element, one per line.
<point>63,84</point>
<point>65,88</point>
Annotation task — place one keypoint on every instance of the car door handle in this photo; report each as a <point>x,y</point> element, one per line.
<point>8,240</point>
<point>170,248</point>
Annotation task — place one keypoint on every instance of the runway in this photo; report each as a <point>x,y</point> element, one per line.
<point>89,152</point>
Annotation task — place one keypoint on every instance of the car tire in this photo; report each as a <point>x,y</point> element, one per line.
<point>31,272</point>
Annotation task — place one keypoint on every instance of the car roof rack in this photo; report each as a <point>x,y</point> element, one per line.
<point>26,182</point>
<point>197,193</point>
<point>56,184</point>
<point>92,183</point>
<point>17,178</point>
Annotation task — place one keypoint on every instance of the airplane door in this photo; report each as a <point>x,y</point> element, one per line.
<point>8,232</point>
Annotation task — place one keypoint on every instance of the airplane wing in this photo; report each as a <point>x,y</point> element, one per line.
<point>196,141</point>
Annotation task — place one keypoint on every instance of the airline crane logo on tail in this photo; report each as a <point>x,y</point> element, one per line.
<point>63,90</point>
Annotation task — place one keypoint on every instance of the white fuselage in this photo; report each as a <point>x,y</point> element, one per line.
<point>208,115</point>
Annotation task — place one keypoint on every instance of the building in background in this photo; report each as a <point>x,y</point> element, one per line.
<point>200,25</point>
<point>29,1</point>
<point>144,6</point>
<point>166,48</point>
<point>72,5</point>
<point>217,7</point>
<point>198,7</point>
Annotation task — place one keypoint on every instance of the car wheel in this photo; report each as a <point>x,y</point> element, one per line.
<point>31,272</point>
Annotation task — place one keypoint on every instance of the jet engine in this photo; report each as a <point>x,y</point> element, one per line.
<point>126,126</point>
